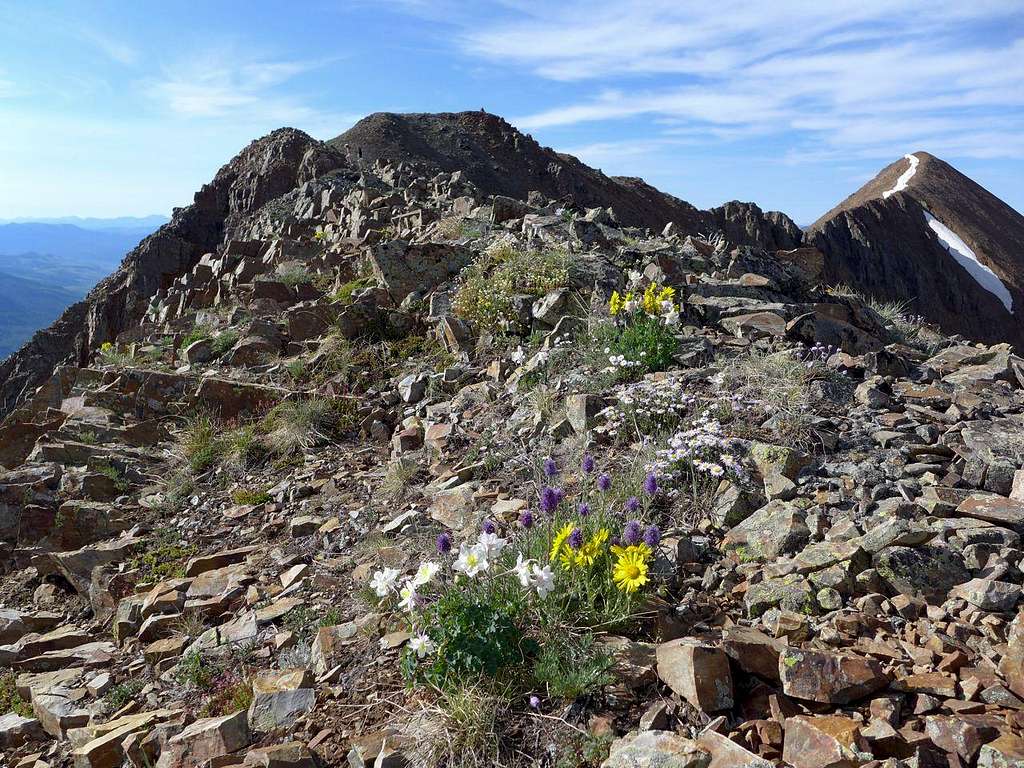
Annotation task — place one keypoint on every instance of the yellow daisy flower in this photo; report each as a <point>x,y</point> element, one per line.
<point>559,541</point>
<point>630,572</point>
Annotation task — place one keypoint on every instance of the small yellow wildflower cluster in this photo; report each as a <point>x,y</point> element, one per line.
<point>629,569</point>
<point>656,301</point>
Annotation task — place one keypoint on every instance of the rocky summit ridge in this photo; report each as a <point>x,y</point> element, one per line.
<point>379,454</point>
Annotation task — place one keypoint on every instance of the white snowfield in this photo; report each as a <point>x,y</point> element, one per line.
<point>905,177</point>
<point>967,259</point>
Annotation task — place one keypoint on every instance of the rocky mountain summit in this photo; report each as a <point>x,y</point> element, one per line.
<point>923,233</point>
<point>359,461</point>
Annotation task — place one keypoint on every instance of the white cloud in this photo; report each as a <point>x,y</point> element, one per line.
<point>865,76</point>
<point>117,50</point>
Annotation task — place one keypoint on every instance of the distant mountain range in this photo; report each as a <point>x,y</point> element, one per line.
<point>48,264</point>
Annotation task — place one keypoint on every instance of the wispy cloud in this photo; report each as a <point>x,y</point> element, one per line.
<point>117,50</point>
<point>855,75</point>
<point>6,86</point>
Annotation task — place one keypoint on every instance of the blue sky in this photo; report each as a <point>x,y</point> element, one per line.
<point>117,108</point>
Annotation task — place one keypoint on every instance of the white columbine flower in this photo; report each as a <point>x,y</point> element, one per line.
<point>472,560</point>
<point>421,645</point>
<point>543,579</point>
<point>491,544</point>
<point>408,595</point>
<point>383,581</point>
<point>426,573</point>
<point>522,570</point>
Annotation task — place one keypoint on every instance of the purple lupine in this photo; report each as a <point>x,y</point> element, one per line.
<point>632,533</point>
<point>575,540</point>
<point>488,526</point>
<point>652,536</point>
<point>588,464</point>
<point>604,483</point>
<point>584,509</point>
<point>632,504</point>
<point>526,519</point>
<point>549,499</point>
<point>651,484</point>
<point>559,495</point>
<point>444,543</point>
<point>550,468</point>
<point>534,702</point>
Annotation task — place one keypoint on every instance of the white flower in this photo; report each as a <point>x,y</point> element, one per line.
<point>543,579</point>
<point>426,573</point>
<point>421,645</point>
<point>522,570</point>
<point>491,544</point>
<point>518,356</point>
<point>383,581</point>
<point>472,560</point>
<point>408,595</point>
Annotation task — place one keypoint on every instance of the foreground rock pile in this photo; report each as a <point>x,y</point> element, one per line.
<point>856,602</point>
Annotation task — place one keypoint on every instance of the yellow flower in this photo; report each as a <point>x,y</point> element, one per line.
<point>641,550</point>
<point>630,572</point>
<point>615,306</point>
<point>588,553</point>
<point>559,542</point>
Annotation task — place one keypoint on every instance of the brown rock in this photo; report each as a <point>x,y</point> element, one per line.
<point>830,741</point>
<point>829,678</point>
<point>698,673</point>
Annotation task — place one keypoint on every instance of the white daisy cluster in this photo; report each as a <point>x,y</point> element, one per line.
<point>621,362</point>
<point>818,354</point>
<point>647,406</point>
<point>703,451</point>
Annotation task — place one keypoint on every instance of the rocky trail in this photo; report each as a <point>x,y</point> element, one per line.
<point>274,520</point>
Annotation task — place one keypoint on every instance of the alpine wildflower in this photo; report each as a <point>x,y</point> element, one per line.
<point>488,526</point>
<point>526,519</point>
<point>491,544</point>
<point>559,541</point>
<point>472,560</point>
<point>584,509</point>
<point>408,595</point>
<point>588,464</point>
<point>632,504</point>
<point>550,467</point>
<point>543,580</point>
<point>652,536</point>
<point>651,484</point>
<point>630,571</point>
<point>444,543</point>
<point>425,573</point>
<point>632,533</point>
<point>604,483</point>
<point>575,540</point>
<point>522,570</point>
<point>384,580</point>
<point>421,645</point>
<point>549,498</point>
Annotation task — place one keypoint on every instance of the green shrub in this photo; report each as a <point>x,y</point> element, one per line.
<point>249,497</point>
<point>346,291</point>
<point>202,442</point>
<point>297,425</point>
<point>123,693</point>
<point>164,556</point>
<point>224,341</point>
<point>474,635</point>
<point>293,273</point>
<point>641,345</point>
<point>487,287</point>
<point>569,667</point>
<point>198,333</point>
<point>107,469</point>
<point>10,699</point>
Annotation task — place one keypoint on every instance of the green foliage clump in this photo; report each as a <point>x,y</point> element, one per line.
<point>123,693</point>
<point>488,287</point>
<point>348,290</point>
<point>249,497</point>
<point>292,273</point>
<point>10,699</point>
<point>297,425</point>
<point>475,635</point>
<point>107,469</point>
<point>224,341</point>
<point>570,667</point>
<point>641,345</point>
<point>202,442</point>
<point>164,557</point>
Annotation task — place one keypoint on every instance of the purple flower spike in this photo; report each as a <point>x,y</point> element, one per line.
<point>632,533</point>
<point>444,543</point>
<point>575,540</point>
<point>549,499</point>
<point>550,468</point>
<point>651,484</point>
<point>588,464</point>
<point>584,509</point>
<point>560,495</point>
<point>604,483</point>
<point>526,519</point>
<point>632,504</point>
<point>615,541</point>
<point>488,526</point>
<point>652,536</point>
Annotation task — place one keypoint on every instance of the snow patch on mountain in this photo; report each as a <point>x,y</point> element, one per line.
<point>968,259</point>
<point>905,177</point>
